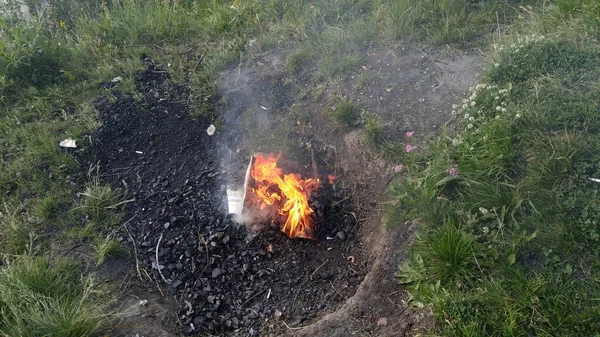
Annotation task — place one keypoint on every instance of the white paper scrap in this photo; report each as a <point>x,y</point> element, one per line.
<point>68,143</point>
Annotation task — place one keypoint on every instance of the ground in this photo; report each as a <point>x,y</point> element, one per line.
<point>343,284</point>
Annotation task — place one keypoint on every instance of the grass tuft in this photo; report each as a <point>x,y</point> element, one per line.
<point>107,248</point>
<point>373,131</point>
<point>43,298</point>
<point>100,203</point>
<point>346,113</point>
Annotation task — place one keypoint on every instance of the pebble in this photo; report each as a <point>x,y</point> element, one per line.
<point>341,235</point>
<point>216,272</point>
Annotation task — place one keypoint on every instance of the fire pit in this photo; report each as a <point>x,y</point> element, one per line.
<point>296,258</point>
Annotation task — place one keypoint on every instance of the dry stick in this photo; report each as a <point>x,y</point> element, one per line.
<point>157,284</point>
<point>253,296</point>
<point>137,261</point>
<point>319,267</point>
<point>334,289</point>
<point>198,63</point>
<point>157,264</point>
<point>207,254</point>
<point>287,326</point>
<point>304,281</point>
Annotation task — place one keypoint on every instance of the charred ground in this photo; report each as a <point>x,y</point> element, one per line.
<point>223,279</point>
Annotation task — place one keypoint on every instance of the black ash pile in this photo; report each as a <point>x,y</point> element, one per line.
<point>224,282</point>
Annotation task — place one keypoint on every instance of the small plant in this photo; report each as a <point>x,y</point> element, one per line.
<point>346,113</point>
<point>366,78</point>
<point>373,130</point>
<point>16,233</point>
<point>101,204</point>
<point>107,248</point>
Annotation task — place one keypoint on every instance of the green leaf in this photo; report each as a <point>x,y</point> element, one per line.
<point>511,259</point>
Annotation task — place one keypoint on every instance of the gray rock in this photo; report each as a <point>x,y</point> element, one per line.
<point>216,272</point>
<point>341,235</point>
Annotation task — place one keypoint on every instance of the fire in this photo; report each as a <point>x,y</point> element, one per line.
<point>287,193</point>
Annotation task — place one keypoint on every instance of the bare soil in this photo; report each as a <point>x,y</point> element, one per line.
<point>222,281</point>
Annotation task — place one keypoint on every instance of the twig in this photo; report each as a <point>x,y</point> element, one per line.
<point>207,254</point>
<point>157,284</point>
<point>198,63</point>
<point>337,292</point>
<point>137,261</point>
<point>287,326</point>
<point>304,281</point>
<point>316,270</point>
<point>157,264</point>
<point>253,296</point>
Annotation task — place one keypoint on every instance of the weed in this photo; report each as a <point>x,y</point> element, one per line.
<point>107,248</point>
<point>366,78</point>
<point>101,204</point>
<point>373,130</point>
<point>346,113</point>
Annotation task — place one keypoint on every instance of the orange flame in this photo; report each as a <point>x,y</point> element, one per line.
<point>288,193</point>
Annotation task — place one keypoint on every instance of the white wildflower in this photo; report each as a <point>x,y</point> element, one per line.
<point>453,112</point>
<point>517,115</point>
<point>503,109</point>
<point>470,126</point>
<point>497,65</point>
<point>465,101</point>
<point>485,230</point>
<point>497,117</point>
<point>454,106</point>
<point>483,210</point>
<point>467,116</point>
<point>471,119</point>
<point>455,142</point>
<point>498,108</point>
<point>464,106</point>
<point>473,103</point>
<point>497,97</point>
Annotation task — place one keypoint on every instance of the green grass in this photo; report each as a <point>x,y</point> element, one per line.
<point>459,22</point>
<point>346,113</point>
<point>107,248</point>
<point>508,242</point>
<point>39,297</point>
<point>373,130</point>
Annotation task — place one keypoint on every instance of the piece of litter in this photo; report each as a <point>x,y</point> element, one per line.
<point>262,107</point>
<point>143,302</point>
<point>211,130</point>
<point>68,143</point>
<point>139,152</point>
<point>595,180</point>
<point>117,79</point>
<point>269,293</point>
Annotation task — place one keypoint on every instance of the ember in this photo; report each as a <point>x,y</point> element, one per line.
<point>286,194</point>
